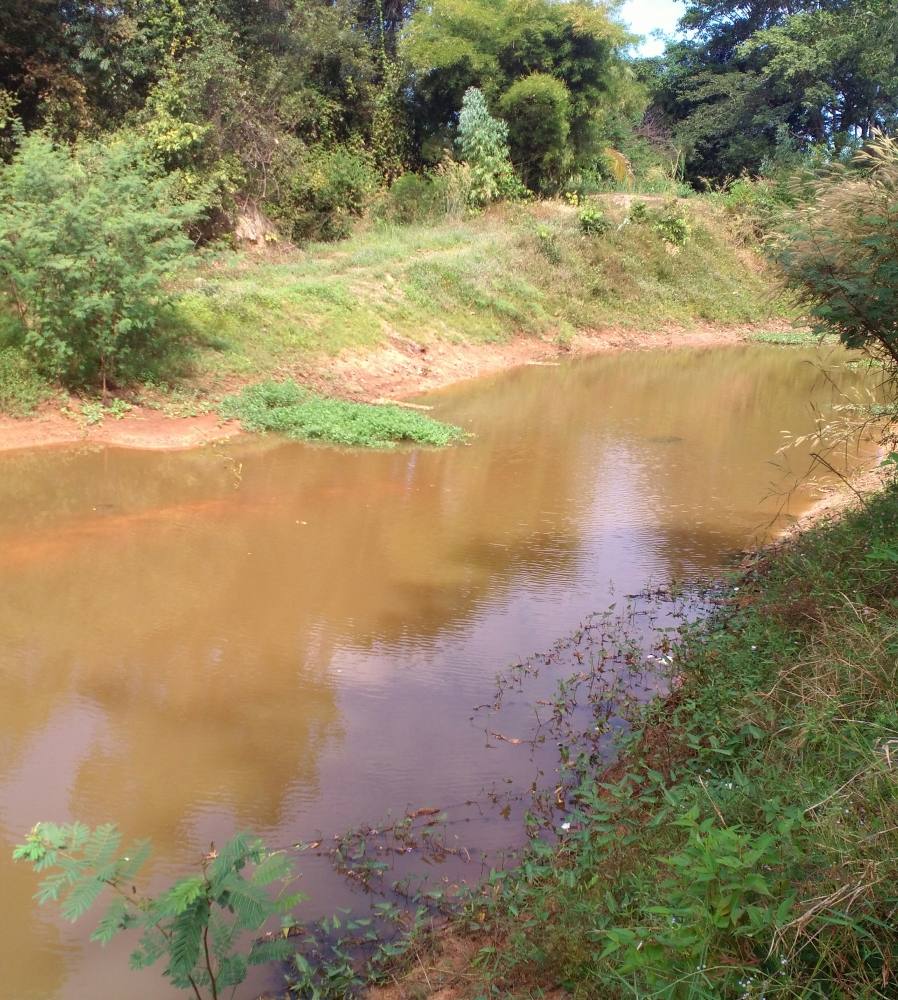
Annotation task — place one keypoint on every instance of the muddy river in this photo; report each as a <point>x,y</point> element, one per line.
<point>291,639</point>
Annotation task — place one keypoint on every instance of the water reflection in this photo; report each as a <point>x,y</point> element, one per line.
<point>289,638</point>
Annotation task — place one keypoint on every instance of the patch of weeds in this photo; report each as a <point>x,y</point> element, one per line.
<point>118,409</point>
<point>547,242</point>
<point>593,221</point>
<point>673,228</point>
<point>22,390</point>
<point>286,408</point>
<point>787,338</point>
<point>639,212</point>
<point>744,844</point>
<point>93,412</point>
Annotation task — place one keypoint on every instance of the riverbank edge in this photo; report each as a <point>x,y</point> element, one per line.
<point>393,372</point>
<point>464,960</point>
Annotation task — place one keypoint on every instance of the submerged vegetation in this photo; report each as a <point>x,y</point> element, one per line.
<point>288,409</point>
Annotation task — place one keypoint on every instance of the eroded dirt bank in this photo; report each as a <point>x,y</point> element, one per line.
<point>400,368</point>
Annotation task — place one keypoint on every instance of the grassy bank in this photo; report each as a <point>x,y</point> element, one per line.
<point>514,270</point>
<point>747,845</point>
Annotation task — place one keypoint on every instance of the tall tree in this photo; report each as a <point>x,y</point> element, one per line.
<point>757,75</point>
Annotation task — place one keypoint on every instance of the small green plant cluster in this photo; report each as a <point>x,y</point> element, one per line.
<point>94,411</point>
<point>673,228</point>
<point>205,928</point>
<point>483,144</point>
<point>440,193</point>
<point>593,221</point>
<point>639,212</point>
<point>22,390</point>
<point>89,240</point>
<point>838,251</point>
<point>323,191</point>
<point>548,244</point>
<point>286,408</point>
<point>669,223</point>
<point>786,338</point>
<point>758,204</point>
<point>745,844</point>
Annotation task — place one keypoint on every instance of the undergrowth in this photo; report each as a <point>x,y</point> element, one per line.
<point>286,408</point>
<point>22,390</point>
<point>513,270</point>
<point>747,844</point>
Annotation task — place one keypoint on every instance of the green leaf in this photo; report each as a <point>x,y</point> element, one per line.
<point>82,897</point>
<point>114,920</point>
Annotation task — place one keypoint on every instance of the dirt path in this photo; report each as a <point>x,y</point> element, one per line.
<point>399,368</point>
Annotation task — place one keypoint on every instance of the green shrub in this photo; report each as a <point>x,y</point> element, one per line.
<point>673,229</point>
<point>286,408</point>
<point>89,238</point>
<point>205,927</point>
<point>21,388</point>
<point>584,183</point>
<point>483,144</point>
<point>759,204</point>
<point>593,221</point>
<point>324,191</point>
<point>839,250</point>
<point>537,109</point>
<point>639,212</point>
<point>414,198</point>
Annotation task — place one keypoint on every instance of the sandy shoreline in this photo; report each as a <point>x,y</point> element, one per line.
<point>398,369</point>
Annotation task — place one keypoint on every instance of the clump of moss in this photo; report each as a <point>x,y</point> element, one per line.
<point>286,408</point>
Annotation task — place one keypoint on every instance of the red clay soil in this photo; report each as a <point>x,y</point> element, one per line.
<point>399,368</point>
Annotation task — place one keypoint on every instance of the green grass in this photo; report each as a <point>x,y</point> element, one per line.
<point>285,408</point>
<point>513,270</point>
<point>22,390</point>
<point>788,338</point>
<point>748,846</point>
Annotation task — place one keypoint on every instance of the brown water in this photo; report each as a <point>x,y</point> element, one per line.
<point>290,639</point>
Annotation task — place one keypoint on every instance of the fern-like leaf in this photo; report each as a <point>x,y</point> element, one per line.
<point>249,902</point>
<point>115,919</point>
<point>274,950</point>
<point>136,858</point>
<point>275,867</point>
<point>102,844</point>
<point>184,893</point>
<point>232,970</point>
<point>232,857</point>
<point>81,898</point>
<point>186,938</point>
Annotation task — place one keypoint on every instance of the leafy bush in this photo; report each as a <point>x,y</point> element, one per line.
<point>324,190</point>
<point>639,212</point>
<point>839,250</point>
<point>89,238</point>
<point>196,926</point>
<point>593,221</point>
<point>483,144</point>
<point>673,229</point>
<point>758,204</point>
<point>537,109</point>
<point>286,408</point>
<point>414,198</point>
<point>21,388</point>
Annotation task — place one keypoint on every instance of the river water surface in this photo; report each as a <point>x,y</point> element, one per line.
<point>291,639</point>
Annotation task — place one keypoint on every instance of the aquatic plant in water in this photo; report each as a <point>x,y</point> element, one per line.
<point>286,408</point>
